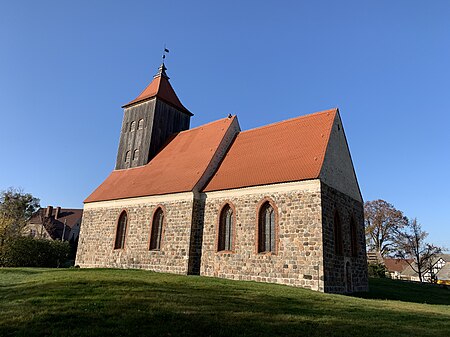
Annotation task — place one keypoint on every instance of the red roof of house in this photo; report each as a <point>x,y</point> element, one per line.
<point>290,150</point>
<point>55,227</point>
<point>161,88</point>
<point>71,216</point>
<point>396,264</point>
<point>176,168</point>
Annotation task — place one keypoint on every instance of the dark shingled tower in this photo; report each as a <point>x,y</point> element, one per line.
<point>149,121</point>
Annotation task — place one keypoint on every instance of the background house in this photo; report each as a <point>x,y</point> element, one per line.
<point>395,267</point>
<point>55,223</point>
<point>440,270</point>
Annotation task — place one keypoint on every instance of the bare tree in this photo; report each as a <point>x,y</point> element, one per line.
<point>383,223</point>
<point>411,245</point>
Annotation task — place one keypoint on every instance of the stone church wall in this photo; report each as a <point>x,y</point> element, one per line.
<point>334,265</point>
<point>96,246</point>
<point>298,257</point>
<point>304,254</point>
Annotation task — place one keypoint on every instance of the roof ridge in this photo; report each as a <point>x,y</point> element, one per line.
<point>290,119</point>
<point>209,123</point>
<point>327,142</point>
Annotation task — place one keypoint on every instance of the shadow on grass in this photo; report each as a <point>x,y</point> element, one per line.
<point>397,290</point>
<point>149,304</point>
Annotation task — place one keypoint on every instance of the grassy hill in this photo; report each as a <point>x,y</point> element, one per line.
<point>100,302</point>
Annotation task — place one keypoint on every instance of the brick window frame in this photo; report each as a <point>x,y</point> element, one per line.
<point>120,234</point>
<point>259,207</point>
<point>225,205</point>
<point>161,231</point>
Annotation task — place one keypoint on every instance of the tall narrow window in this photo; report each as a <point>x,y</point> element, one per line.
<point>226,229</point>
<point>141,124</point>
<point>338,247</point>
<point>353,238</point>
<point>132,126</point>
<point>157,225</point>
<point>127,156</point>
<point>136,154</point>
<point>121,231</point>
<point>266,229</point>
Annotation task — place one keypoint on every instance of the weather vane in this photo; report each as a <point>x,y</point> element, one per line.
<point>164,53</point>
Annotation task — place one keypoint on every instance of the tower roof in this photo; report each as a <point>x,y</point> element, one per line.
<point>160,87</point>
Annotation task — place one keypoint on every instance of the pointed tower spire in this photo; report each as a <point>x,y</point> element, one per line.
<point>162,71</point>
<point>149,120</point>
<point>161,88</point>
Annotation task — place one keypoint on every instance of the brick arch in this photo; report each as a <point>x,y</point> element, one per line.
<point>125,233</point>
<point>219,216</point>
<point>259,206</point>
<point>163,226</point>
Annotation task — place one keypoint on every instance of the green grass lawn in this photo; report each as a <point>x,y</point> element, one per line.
<point>101,302</point>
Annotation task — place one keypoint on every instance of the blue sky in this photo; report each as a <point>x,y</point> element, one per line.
<point>67,67</point>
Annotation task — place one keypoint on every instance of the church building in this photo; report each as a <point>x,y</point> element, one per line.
<point>278,203</point>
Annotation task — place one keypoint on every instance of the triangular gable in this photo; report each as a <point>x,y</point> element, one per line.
<point>337,168</point>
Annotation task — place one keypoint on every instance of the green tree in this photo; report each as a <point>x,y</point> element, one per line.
<point>377,270</point>
<point>383,223</point>
<point>16,208</point>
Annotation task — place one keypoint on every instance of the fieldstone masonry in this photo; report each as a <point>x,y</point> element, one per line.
<point>298,258</point>
<point>336,280</point>
<point>305,246</point>
<point>96,246</point>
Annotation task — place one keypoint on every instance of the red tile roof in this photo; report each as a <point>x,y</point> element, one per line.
<point>55,227</point>
<point>291,150</point>
<point>71,216</point>
<point>176,168</point>
<point>161,88</point>
<point>396,264</point>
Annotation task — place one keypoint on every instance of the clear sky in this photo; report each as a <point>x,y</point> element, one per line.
<point>66,67</point>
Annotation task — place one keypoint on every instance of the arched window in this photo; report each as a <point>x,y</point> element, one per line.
<point>353,238</point>
<point>141,124</point>
<point>338,247</point>
<point>266,229</point>
<point>226,229</point>
<point>157,225</point>
<point>121,231</point>
<point>136,154</point>
<point>127,156</point>
<point>132,126</point>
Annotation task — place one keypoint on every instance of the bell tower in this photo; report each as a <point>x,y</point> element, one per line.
<point>148,122</point>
